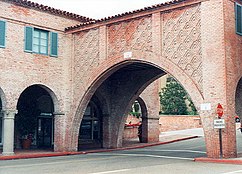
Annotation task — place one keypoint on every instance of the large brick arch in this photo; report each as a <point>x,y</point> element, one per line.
<point>107,68</point>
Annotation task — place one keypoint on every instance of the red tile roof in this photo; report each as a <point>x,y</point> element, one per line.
<point>125,14</point>
<point>51,10</point>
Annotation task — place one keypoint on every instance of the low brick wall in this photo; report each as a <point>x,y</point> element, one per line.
<point>167,123</point>
<point>130,132</point>
<point>131,127</point>
<point>179,122</point>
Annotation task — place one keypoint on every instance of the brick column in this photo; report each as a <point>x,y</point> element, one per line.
<point>150,130</point>
<point>106,131</point>
<point>59,132</point>
<point>8,132</point>
<point>103,43</point>
<point>156,33</point>
<point>216,86</point>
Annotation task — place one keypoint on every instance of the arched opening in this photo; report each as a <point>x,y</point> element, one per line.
<point>238,99</point>
<point>133,130</point>
<point>143,128</point>
<point>34,121</point>
<point>2,107</point>
<point>238,112</point>
<point>121,85</point>
<point>90,132</point>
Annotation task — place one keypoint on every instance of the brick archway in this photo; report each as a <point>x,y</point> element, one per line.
<point>37,105</point>
<point>153,70</point>
<point>238,99</point>
<point>52,94</point>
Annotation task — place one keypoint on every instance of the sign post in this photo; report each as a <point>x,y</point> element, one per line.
<point>220,124</point>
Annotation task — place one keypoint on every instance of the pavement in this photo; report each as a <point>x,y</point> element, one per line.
<point>165,138</point>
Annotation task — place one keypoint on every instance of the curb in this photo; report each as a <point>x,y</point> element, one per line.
<point>213,160</point>
<point>56,154</point>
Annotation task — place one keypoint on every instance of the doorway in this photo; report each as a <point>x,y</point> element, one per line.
<point>90,128</point>
<point>45,130</point>
<point>34,121</point>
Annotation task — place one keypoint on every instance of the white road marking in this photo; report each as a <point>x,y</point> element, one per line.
<point>238,171</point>
<point>51,163</point>
<point>113,171</point>
<point>195,147</point>
<point>192,151</point>
<point>153,156</point>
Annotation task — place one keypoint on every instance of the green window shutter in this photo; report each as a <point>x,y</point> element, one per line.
<point>54,44</point>
<point>2,34</point>
<point>238,19</point>
<point>28,45</point>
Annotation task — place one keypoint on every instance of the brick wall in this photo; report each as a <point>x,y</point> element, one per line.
<point>131,127</point>
<point>21,69</point>
<point>166,123</point>
<point>179,122</point>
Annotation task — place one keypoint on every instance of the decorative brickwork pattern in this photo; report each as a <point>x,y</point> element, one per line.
<point>182,41</point>
<point>86,56</point>
<point>130,35</point>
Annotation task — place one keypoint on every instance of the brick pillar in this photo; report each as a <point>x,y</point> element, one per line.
<point>59,132</point>
<point>8,132</point>
<point>150,130</point>
<point>106,131</point>
<point>216,86</point>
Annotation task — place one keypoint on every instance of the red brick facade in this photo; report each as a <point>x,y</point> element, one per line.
<point>115,59</point>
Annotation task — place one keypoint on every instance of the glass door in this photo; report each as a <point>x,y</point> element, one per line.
<point>44,135</point>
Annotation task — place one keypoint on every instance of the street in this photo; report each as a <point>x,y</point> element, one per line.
<point>171,158</point>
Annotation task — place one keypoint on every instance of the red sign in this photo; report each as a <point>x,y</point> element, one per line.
<point>220,110</point>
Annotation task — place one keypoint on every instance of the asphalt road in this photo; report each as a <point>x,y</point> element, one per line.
<point>175,158</point>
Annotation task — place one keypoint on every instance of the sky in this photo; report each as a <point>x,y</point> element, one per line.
<point>97,9</point>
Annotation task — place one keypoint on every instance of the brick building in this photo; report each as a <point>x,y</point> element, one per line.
<point>73,79</point>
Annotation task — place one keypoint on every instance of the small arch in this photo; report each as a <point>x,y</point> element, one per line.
<point>142,128</point>
<point>2,107</point>
<point>143,106</point>
<point>238,99</point>
<point>35,119</point>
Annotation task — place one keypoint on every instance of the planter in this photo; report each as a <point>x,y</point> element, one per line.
<point>26,143</point>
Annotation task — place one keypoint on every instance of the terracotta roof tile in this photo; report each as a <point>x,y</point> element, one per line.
<point>26,3</point>
<point>124,14</point>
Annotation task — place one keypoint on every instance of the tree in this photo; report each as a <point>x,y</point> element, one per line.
<point>173,100</point>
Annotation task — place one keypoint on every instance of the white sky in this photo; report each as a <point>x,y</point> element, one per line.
<point>98,8</point>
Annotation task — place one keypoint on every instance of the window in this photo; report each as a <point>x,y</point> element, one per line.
<point>40,42</point>
<point>37,41</point>
<point>2,34</point>
<point>238,16</point>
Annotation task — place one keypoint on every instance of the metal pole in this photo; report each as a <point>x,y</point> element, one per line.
<point>220,142</point>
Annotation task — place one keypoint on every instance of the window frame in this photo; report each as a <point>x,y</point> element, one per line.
<point>4,34</point>
<point>39,41</point>
<point>51,43</point>
<point>236,19</point>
